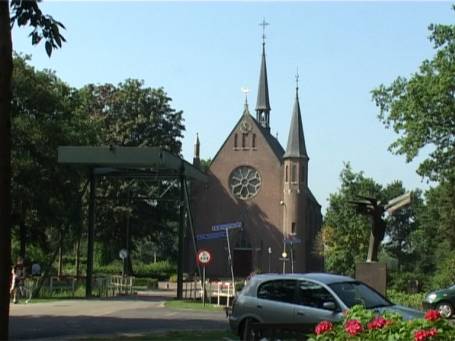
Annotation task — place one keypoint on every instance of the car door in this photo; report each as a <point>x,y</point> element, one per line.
<point>276,301</point>
<point>310,309</point>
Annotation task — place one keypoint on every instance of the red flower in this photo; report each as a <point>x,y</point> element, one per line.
<point>420,335</point>
<point>378,323</point>
<point>353,327</point>
<point>423,334</point>
<point>323,326</point>
<point>432,315</point>
<point>432,332</point>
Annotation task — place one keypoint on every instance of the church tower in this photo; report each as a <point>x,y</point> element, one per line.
<point>295,188</point>
<point>263,103</point>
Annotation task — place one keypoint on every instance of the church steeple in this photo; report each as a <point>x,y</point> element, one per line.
<point>197,148</point>
<point>296,140</point>
<point>263,103</point>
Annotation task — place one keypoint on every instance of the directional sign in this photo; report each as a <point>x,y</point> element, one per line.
<point>203,257</point>
<point>228,226</point>
<point>293,240</point>
<point>213,235</point>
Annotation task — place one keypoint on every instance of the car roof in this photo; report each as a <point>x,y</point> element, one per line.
<point>325,278</point>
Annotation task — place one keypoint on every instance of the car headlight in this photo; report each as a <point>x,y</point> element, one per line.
<point>431,297</point>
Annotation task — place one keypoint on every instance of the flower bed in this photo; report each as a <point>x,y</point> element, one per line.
<point>362,324</point>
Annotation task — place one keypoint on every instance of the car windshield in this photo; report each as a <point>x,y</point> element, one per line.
<point>352,293</point>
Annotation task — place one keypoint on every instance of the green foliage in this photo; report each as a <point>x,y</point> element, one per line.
<point>346,233</point>
<point>362,324</point>
<point>27,13</point>
<point>149,283</point>
<point>422,108</point>
<point>445,274</point>
<point>408,300</point>
<point>162,270</point>
<point>46,197</point>
<point>205,164</point>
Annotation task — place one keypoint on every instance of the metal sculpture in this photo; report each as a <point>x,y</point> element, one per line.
<point>374,209</point>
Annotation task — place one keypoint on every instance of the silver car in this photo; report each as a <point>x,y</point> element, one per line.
<point>305,298</point>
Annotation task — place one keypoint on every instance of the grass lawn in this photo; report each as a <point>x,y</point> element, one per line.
<point>214,335</point>
<point>193,305</point>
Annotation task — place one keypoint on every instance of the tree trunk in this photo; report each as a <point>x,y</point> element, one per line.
<point>60,256</point>
<point>23,239</point>
<point>6,70</point>
<point>78,256</point>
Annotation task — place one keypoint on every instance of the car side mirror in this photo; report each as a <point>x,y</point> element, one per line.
<point>330,305</point>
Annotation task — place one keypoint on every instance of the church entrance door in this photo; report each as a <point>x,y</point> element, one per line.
<point>243,260</point>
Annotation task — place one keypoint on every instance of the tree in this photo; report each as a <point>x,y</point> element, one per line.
<point>346,233</point>
<point>130,114</point>
<point>44,116</point>
<point>421,109</point>
<point>24,13</point>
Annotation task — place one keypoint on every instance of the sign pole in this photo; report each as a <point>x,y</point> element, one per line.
<point>230,260</point>
<point>203,286</point>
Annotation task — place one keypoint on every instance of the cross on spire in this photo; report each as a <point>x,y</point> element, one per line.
<point>264,24</point>
<point>297,79</point>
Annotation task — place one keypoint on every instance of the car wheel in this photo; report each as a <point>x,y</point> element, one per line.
<point>445,309</point>
<point>245,332</point>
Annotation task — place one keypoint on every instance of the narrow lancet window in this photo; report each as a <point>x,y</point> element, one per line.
<point>293,173</point>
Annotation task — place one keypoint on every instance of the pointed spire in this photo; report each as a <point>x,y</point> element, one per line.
<point>246,111</point>
<point>263,103</point>
<point>296,140</point>
<point>197,148</point>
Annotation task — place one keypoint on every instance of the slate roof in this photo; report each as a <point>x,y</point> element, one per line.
<point>296,140</point>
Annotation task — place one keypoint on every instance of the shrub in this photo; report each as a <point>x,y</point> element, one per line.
<point>409,300</point>
<point>362,324</point>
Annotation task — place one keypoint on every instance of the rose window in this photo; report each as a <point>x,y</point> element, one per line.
<point>245,182</point>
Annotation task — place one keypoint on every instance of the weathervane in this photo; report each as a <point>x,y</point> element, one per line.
<point>245,90</point>
<point>264,24</point>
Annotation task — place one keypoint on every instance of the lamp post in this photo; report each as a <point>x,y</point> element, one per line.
<point>284,254</point>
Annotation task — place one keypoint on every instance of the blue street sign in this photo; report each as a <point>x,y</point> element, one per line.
<point>228,226</point>
<point>213,235</point>
<point>293,240</point>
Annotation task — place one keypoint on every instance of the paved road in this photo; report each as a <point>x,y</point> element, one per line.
<point>71,319</point>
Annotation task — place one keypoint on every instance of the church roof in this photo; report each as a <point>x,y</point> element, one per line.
<point>273,143</point>
<point>296,140</point>
<point>263,103</point>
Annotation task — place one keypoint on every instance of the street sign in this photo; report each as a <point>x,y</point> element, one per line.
<point>213,235</point>
<point>123,253</point>
<point>228,226</point>
<point>293,240</point>
<point>204,257</point>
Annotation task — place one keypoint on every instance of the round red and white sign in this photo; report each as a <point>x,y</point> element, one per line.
<point>203,257</point>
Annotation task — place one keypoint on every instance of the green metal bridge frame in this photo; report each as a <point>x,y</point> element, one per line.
<point>133,162</point>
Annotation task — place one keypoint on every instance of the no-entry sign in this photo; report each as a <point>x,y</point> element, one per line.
<point>204,257</point>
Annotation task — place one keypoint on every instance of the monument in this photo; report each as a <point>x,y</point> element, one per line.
<point>372,272</point>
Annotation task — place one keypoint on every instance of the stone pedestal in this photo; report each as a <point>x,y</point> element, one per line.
<point>374,274</point>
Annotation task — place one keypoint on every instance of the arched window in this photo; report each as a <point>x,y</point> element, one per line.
<point>293,173</point>
<point>244,140</point>
<point>286,174</point>
<point>253,144</point>
<point>235,141</point>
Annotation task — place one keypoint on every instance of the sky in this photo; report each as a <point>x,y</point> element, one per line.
<point>203,53</point>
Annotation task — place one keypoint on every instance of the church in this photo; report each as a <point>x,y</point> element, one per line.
<point>259,192</point>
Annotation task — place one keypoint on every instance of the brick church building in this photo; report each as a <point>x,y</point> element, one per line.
<point>256,184</point>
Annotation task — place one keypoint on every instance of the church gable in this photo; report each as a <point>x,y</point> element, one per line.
<point>248,136</point>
